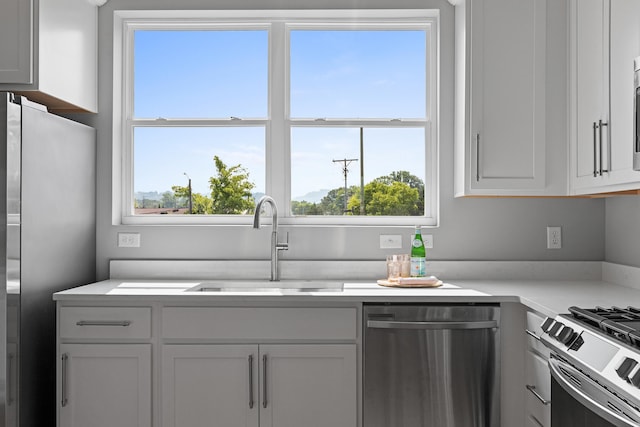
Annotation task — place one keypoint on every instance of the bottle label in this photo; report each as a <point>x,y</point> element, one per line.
<point>418,267</point>
<point>417,243</point>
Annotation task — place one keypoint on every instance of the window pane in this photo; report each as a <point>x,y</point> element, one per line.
<point>394,171</point>
<point>358,74</point>
<point>163,155</point>
<point>200,74</point>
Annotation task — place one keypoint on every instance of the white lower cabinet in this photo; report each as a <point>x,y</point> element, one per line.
<point>105,385</point>
<point>537,376</point>
<point>284,385</point>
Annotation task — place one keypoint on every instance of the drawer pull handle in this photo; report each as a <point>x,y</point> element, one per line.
<point>63,374</point>
<point>264,381</point>
<point>103,323</point>
<point>532,389</point>
<point>10,368</point>
<point>531,334</point>
<point>251,381</point>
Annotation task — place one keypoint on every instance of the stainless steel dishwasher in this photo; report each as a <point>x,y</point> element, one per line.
<point>431,365</point>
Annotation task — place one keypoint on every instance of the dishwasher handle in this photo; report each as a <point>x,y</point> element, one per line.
<point>445,325</point>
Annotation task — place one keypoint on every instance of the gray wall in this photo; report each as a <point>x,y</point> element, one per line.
<point>470,229</point>
<point>622,226</point>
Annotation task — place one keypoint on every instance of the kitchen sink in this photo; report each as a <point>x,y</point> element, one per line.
<point>282,286</point>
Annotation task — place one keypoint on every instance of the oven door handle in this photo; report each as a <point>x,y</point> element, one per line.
<point>604,410</point>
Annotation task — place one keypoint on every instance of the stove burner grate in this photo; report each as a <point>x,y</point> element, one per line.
<point>621,323</point>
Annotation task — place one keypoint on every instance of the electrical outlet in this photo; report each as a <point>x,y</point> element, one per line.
<point>554,237</point>
<point>390,241</point>
<point>427,239</point>
<point>128,240</point>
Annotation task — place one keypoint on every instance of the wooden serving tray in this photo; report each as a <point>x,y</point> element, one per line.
<point>394,284</point>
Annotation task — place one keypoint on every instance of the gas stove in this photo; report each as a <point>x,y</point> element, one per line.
<point>601,346</point>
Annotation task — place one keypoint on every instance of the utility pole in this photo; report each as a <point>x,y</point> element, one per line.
<point>345,172</point>
<point>190,196</point>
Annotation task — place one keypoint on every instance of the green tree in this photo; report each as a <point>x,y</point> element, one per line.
<point>396,199</point>
<point>202,205</point>
<point>231,189</point>
<point>397,194</point>
<point>169,200</point>
<point>333,202</point>
<point>305,208</point>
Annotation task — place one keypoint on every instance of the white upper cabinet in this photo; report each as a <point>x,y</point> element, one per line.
<point>48,52</point>
<point>500,133</point>
<point>604,40</point>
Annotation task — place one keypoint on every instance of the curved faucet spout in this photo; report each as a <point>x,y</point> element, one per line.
<point>275,246</point>
<point>274,212</point>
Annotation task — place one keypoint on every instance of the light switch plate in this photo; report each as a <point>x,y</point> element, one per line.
<point>390,241</point>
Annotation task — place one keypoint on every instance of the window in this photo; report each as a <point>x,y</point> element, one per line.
<point>332,114</point>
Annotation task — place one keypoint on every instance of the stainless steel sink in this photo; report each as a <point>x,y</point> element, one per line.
<point>282,286</point>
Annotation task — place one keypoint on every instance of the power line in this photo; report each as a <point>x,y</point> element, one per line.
<point>345,171</point>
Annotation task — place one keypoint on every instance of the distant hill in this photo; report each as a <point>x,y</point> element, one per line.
<point>312,197</point>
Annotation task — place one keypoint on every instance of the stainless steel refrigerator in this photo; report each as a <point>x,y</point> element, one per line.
<point>48,243</point>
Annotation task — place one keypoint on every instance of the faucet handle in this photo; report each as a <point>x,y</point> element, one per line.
<point>284,245</point>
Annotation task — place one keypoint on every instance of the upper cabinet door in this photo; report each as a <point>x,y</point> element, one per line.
<point>604,40</point>
<point>48,52</point>
<point>589,90</point>
<point>16,42</point>
<point>504,136</point>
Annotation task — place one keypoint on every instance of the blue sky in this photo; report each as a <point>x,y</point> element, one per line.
<point>219,74</point>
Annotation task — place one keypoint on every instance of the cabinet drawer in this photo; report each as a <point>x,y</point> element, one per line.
<point>534,321</point>
<point>105,322</point>
<point>259,323</point>
<point>538,377</point>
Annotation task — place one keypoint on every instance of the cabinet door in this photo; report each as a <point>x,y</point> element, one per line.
<point>16,41</point>
<point>105,385</point>
<point>210,385</point>
<point>624,46</point>
<point>308,385</point>
<point>589,91</point>
<point>538,380</point>
<point>506,145</point>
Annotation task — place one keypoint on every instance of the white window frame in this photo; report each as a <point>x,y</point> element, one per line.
<point>278,123</point>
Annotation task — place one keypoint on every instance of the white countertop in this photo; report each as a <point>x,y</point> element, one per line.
<point>548,297</point>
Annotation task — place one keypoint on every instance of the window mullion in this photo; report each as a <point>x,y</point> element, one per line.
<point>278,152</point>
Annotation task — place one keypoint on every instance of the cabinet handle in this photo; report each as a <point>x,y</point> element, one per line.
<point>251,381</point>
<point>477,157</point>
<point>595,149</point>
<point>532,334</point>
<point>600,126</point>
<point>9,379</point>
<point>103,323</point>
<point>532,389</point>
<point>65,357</point>
<point>264,381</point>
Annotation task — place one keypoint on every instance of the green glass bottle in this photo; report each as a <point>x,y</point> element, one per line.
<point>418,255</point>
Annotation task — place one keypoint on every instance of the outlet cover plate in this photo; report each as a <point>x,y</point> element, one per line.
<point>128,240</point>
<point>554,237</point>
<point>390,241</point>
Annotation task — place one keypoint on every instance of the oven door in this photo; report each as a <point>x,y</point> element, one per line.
<point>578,401</point>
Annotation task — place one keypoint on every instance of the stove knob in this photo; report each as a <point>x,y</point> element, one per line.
<point>546,325</point>
<point>555,328</point>
<point>634,376</point>
<point>565,335</point>
<point>624,369</point>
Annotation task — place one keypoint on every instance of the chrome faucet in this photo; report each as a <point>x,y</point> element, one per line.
<point>275,246</point>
